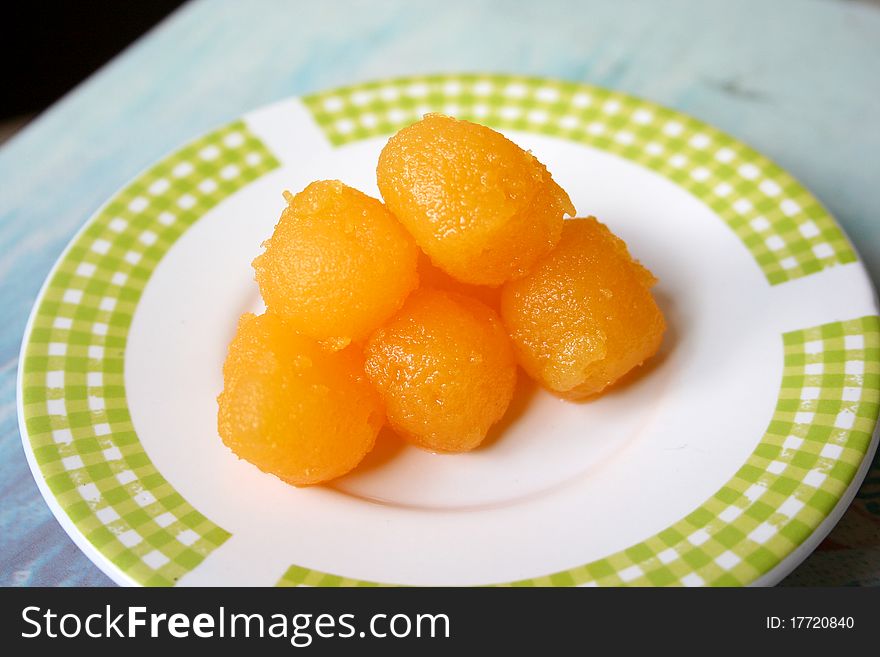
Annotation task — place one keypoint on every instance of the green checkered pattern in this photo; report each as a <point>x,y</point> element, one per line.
<point>784,227</point>
<point>75,406</point>
<point>299,576</point>
<point>819,434</point>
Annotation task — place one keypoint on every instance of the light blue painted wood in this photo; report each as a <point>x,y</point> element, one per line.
<point>797,79</point>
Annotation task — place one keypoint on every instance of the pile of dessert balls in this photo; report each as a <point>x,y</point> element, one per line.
<point>417,311</point>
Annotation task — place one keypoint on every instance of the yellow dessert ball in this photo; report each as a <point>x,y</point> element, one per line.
<point>480,206</point>
<point>338,264</point>
<point>444,368</point>
<point>584,316</point>
<point>292,408</point>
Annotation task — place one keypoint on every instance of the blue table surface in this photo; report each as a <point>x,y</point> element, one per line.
<point>797,79</point>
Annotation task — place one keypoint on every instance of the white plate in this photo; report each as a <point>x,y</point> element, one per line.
<point>724,463</point>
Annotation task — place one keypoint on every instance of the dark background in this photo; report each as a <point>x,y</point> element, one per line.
<point>48,47</point>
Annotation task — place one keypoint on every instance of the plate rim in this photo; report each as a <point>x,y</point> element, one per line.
<point>94,555</point>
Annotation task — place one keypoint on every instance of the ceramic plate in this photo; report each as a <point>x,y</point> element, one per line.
<point>723,463</point>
